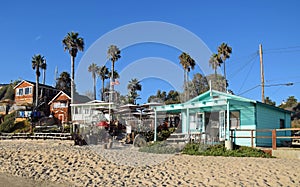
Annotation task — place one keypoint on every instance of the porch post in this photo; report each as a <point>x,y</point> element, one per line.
<point>188,121</point>
<point>155,125</point>
<point>227,122</point>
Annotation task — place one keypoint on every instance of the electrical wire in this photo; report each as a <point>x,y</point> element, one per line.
<point>283,50</point>
<point>247,75</point>
<point>243,65</point>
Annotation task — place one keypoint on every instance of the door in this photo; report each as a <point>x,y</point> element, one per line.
<point>200,122</point>
<point>61,117</point>
<point>222,127</point>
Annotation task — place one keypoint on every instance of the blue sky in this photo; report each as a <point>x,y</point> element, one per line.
<point>32,27</point>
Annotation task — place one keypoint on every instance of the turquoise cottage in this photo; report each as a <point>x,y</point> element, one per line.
<point>207,116</point>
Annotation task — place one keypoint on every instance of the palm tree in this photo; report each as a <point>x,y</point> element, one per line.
<point>63,82</point>
<point>103,74</point>
<point>113,54</point>
<point>214,62</point>
<point>224,52</point>
<point>115,74</point>
<point>133,86</point>
<point>187,63</point>
<point>38,62</point>
<point>44,67</point>
<point>93,68</point>
<point>73,43</point>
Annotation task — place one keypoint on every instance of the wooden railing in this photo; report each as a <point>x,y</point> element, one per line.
<point>273,136</point>
<point>58,136</point>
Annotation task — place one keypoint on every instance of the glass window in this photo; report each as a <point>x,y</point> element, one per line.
<point>20,92</point>
<point>28,90</point>
<point>282,126</point>
<point>234,119</point>
<point>60,105</point>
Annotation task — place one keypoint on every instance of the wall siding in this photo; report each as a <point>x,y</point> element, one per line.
<point>268,118</point>
<point>247,121</point>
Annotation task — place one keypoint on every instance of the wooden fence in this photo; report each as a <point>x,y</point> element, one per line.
<point>57,136</point>
<point>273,137</point>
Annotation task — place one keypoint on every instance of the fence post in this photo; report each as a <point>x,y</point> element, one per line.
<point>252,144</point>
<point>274,147</point>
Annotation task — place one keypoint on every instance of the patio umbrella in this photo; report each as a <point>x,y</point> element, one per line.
<point>102,124</point>
<point>130,106</point>
<point>147,105</point>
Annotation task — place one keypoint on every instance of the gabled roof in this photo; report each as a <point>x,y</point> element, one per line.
<point>213,94</point>
<point>96,101</point>
<point>57,95</point>
<point>33,84</point>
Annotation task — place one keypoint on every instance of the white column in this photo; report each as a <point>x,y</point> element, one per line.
<point>227,122</point>
<point>188,121</point>
<point>155,125</point>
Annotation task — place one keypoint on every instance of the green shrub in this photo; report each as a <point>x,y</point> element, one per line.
<point>160,148</point>
<point>10,116</point>
<point>220,150</point>
<point>8,123</point>
<point>22,126</point>
<point>67,128</point>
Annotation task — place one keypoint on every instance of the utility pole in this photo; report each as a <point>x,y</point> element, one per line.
<point>262,76</point>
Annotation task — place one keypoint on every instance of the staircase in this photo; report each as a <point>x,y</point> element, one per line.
<point>176,138</point>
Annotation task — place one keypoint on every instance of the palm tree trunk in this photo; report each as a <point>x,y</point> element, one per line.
<point>37,88</point>
<point>102,91</point>
<point>187,88</point>
<point>185,80</point>
<point>94,77</point>
<point>44,76</point>
<point>111,81</point>
<point>225,86</point>
<point>72,79</point>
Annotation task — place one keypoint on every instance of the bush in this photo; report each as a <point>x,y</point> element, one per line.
<point>8,124</point>
<point>164,134</point>
<point>22,126</point>
<point>67,128</point>
<point>220,150</point>
<point>160,148</point>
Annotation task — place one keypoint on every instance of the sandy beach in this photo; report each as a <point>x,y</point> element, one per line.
<point>60,163</point>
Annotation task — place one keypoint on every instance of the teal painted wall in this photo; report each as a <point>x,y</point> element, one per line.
<point>247,121</point>
<point>252,116</point>
<point>269,118</point>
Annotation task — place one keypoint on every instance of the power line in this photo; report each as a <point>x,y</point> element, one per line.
<point>247,75</point>
<point>283,50</point>
<point>268,85</point>
<point>244,65</point>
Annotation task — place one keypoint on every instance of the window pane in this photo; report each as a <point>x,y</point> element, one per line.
<point>27,91</point>
<point>20,91</point>
<point>235,119</point>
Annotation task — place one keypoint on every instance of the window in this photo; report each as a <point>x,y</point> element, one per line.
<point>19,91</point>
<point>234,119</point>
<point>28,90</point>
<point>282,126</point>
<point>60,105</point>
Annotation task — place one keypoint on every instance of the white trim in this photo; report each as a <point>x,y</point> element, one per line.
<point>22,82</point>
<point>57,96</point>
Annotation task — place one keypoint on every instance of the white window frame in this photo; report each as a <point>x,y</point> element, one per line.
<point>29,90</point>
<point>19,90</point>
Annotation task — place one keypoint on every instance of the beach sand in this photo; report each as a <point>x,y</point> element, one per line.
<point>60,163</point>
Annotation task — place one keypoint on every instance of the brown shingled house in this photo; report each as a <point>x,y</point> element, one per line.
<point>60,107</point>
<point>25,97</point>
